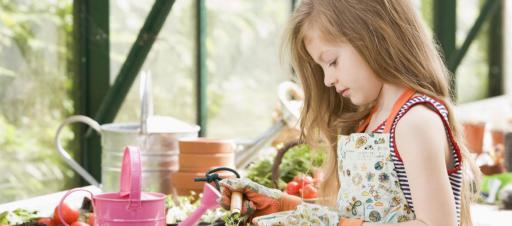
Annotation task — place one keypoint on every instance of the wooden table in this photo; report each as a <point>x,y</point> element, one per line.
<point>483,215</point>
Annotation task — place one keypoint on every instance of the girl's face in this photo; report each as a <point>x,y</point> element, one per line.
<point>344,69</point>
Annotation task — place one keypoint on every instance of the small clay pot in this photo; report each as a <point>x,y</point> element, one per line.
<point>205,146</point>
<point>498,137</point>
<point>203,162</point>
<point>197,156</point>
<point>474,134</point>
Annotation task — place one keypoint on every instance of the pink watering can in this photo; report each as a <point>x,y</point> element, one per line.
<point>130,206</point>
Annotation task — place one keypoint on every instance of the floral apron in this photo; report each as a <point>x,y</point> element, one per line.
<point>369,186</point>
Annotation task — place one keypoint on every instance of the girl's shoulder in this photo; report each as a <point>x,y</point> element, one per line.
<point>422,115</point>
<point>420,133</point>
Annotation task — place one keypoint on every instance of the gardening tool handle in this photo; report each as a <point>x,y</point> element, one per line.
<point>59,207</point>
<point>64,154</point>
<point>131,176</point>
<point>236,202</point>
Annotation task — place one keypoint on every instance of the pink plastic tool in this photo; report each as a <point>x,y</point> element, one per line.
<point>209,201</point>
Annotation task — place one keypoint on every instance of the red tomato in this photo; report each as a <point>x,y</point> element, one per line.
<point>78,223</point>
<point>44,220</point>
<point>91,219</point>
<point>309,192</point>
<point>298,179</point>
<point>69,214</point>
<point>292,188</point>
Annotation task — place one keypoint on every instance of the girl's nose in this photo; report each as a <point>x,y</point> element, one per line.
<point>330,80</point>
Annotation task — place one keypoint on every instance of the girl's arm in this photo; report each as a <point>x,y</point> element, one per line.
<point>423,146</point>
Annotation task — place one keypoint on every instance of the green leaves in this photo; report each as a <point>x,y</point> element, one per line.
<point>299,159</point>
<point>17,216</point>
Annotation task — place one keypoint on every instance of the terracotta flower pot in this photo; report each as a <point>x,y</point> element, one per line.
<point>205,145</point>
<point>196,157</point>
<point>498,137</point>
<point>474,134</point>
<point>203,163</point>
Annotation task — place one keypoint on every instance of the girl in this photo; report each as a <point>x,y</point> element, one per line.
<point>376,90</point>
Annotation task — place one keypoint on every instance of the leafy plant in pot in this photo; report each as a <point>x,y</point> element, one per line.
<point>294,169</point>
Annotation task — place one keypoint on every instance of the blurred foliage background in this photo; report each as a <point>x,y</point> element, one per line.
<point>35,89</point>
<point>243,38</point>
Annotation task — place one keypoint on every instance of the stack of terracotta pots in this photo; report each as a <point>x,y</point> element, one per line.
<point>474,134</point>
<point>196,157</point>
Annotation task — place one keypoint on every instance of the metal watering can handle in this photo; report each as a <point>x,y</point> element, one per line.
<point>131,176</point>
<point>64,154</point>
<point>59,207</point>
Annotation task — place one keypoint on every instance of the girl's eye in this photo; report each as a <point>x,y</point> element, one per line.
<point>333,63</point>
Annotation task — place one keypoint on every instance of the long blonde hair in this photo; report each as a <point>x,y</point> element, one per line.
<point>392,39</point>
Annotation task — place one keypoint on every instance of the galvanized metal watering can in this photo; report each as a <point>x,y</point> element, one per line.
<point>156,136</point>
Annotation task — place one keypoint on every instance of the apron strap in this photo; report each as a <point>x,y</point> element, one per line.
<point>406,95</point>
<point>366,121</point>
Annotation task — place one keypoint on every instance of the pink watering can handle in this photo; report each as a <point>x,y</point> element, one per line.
<point>131,176</point>
<point>59,207</point>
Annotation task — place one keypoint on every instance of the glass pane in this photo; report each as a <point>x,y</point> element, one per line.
<point>425,8</point>
<point>472,74</point>
<point>35,85</point>
<point>244,70</point>
<point>171,60</point>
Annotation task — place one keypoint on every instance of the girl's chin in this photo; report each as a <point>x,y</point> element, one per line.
<point>359,101</point>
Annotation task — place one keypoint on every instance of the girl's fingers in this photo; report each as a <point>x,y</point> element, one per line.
<point>226,187</point>
<point>225,201</point>
<point>225,190</point>
<point>237,184</point>
<point>248,207</point>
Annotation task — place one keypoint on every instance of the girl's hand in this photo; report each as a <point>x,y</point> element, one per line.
<point>258,199</point>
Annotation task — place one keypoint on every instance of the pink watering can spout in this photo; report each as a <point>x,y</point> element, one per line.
<point>209,201</point>
<point>211,195</point>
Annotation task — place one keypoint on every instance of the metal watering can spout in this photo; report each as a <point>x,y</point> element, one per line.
<point>290,96</point>
<point>247,151</point>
